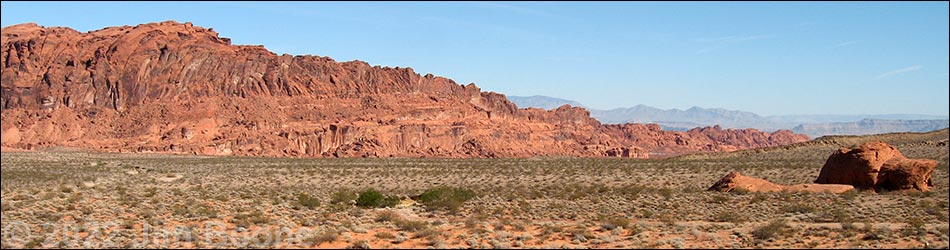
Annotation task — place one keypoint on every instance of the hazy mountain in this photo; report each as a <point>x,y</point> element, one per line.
<point>690,118</point>
<point>870,126</point>
<point>851,118</point>
<point>539,101</point>
<point>812,125</point>
<point>671,119</point>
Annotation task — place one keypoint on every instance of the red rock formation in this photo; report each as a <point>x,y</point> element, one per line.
<point>906,174</point>
<point>736,181</point>
<point>172,87</point>
<point>876,165</point>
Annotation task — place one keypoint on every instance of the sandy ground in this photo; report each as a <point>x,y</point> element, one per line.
<point>95,200</point>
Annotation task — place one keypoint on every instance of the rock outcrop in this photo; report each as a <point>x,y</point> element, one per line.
<point>179,88</point>
<point>735,181</point>
<point>877,165</point>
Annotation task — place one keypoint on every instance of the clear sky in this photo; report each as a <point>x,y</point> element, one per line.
<point>771,58</point>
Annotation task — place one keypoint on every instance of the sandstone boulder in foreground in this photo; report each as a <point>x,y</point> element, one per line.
<point>879,166</point>
<point>736,181</point>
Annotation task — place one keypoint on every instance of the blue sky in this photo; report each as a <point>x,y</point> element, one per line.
<point>771,58</point>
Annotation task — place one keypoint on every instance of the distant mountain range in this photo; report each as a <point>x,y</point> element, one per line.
<point>811,125</point>
<point>544,102</point>
<point>870,126</point>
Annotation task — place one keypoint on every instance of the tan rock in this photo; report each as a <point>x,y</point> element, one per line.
<point>10,136</point>
<point>735,181</point>
<point>820,188</point>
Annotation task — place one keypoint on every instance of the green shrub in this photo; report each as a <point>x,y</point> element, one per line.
<point>390,201</point>
<point>369,198</point>
<point>372,198</point>
<point>442,197</point>
<point>307,201</point>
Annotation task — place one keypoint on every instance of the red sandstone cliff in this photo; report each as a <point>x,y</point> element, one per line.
<point>172,87</point>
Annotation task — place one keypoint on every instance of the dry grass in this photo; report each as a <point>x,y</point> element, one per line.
<point>558,202</point>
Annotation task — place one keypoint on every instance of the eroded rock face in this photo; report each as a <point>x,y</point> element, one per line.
<point>906,174</point>
<point>876,165</point>
<point>173,87</point>
<point>735,181</point>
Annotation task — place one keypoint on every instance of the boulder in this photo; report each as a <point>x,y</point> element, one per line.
<point>736,181</point>
<point>876,165</point>
<point>858,166</point>
<point>906,174</point>
<point>819,188</point>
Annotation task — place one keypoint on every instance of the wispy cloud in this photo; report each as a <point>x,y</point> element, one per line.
<point>847,43</point>
<point>899,71</point>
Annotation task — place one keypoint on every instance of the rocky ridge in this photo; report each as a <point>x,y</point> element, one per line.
<point>178,88</point>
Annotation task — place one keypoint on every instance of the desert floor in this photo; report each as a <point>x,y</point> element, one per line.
<point>61,198</point>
